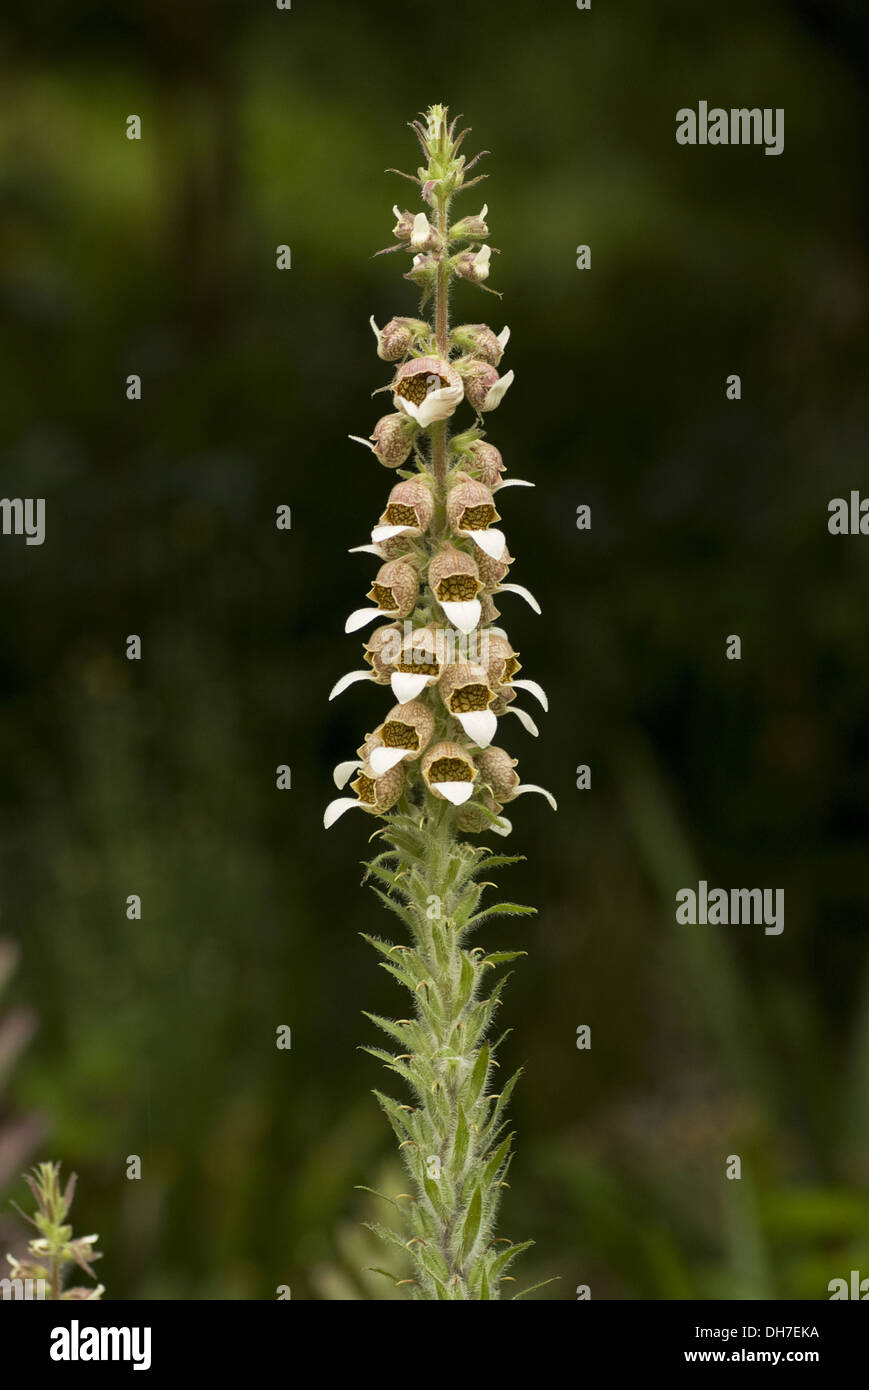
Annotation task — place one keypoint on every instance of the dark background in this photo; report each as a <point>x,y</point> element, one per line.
<point>709,517</point>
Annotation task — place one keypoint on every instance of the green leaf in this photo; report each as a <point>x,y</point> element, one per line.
<point>500,957</point>
<point>461,1142</point>
<point>505,1258</point>
<point>471,1228</point>
<point>532,1287</point>
<point>477,1079</point>
<point>502,910</point>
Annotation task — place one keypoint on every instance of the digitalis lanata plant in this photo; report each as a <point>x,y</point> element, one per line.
<point>433,771</point>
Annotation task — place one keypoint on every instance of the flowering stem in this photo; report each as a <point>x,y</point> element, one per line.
<point>430,770</point>
<point>442,290</point>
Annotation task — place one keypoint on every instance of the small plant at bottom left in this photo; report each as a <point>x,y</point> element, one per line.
<point>54,1251</point>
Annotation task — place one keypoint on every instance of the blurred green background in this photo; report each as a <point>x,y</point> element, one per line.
<point>263,127</point>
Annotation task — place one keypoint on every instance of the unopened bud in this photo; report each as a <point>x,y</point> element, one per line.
<point>472,818</point>
<point>484,462</point>
<point>391,439</point>
<point>481,341</point>
<point>471,228</point>
<point>397,337</point>
<point>496,770</point>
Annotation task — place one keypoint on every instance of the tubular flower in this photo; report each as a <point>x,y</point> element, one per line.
<point>405,733</point>
<point>449,772</point>
<point>374,794</point>
<point>408,511</point>
<point>418,662</point>
<point>471,512</point>
<point>430,773</point>
<point>394,591</point>
<point>466,693</point>
<point>454,580</point>
<point>427,389</point>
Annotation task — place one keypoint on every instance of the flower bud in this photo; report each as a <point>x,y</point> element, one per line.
<point>484,462</point>
<point>423,271</point>
<point>408,512</point>
<point>473,265</point>
<point>496,771</point>
<point>391,439</point>
<point>397,337</point>
<point>449,772</point>
<point>480,341</point>
<point>472,819</point>
<point>405,733</point>
<point>427,389</point>
<point>396,588</point>
<point>381,649</point>
<point>471,228</point>
<point>455,582</point>
<point>465,691</point>
<point>499,659</point>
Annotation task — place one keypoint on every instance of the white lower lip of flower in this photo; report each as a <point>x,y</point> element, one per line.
<point>525,720</point>
<point>359,617</point>
<point>456,792</point>
<point>512,482</point>
<point>533,689</point>
<point>531,787</point>
<point>522,592</point>
<point>406,687</point>
<point>437,405</point>
<point>496,393</point>
<point>366,550</point>
<point>335,810</point>
<point>464,616</point>
<point>492,542</point>
<point>344,771</point>
<point>382,759</point>
<point>385,533</point>
<point>480,725</point>
<point>346,681</point>
<point>504,337</point>
<point>357,439</point>
<point>502,826</point>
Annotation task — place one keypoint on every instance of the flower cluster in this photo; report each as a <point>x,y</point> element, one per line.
<point>443,559</point>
